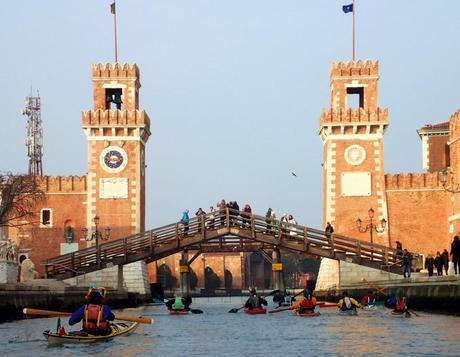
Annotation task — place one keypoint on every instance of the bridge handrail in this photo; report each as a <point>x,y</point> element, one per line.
<point>172,234</point>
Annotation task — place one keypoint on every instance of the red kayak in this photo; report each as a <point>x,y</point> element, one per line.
<point>256,311</point>
<point>178,312</point>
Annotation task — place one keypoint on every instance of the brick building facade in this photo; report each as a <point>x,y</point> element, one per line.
<point>415,209</point>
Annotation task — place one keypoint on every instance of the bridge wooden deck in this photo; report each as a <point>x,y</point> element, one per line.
<point>228,231</point>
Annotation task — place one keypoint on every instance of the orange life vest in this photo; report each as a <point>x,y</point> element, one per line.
<point>93,320</point>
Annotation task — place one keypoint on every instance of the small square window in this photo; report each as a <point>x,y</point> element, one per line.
<point>45,218</point>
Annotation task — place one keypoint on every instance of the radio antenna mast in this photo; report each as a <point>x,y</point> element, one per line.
<point>34,139</point>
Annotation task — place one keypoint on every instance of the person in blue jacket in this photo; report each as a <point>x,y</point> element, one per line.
<point>94,314</point>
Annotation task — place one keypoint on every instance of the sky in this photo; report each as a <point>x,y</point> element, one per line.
<point>234,89</point>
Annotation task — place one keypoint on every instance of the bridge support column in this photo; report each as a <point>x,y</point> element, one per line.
<point>277,268</point>
<point>184,275</point>
<point>120,278</point>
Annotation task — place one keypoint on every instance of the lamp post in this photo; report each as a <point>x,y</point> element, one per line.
<point>371,226</point>
<point>444,175</point>
<point>96,234</point>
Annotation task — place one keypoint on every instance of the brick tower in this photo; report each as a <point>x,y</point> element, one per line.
<point>352,133</point>
<point>353,181</point>
<point>117,132</point>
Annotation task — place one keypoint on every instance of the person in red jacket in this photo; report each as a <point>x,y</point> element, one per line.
<point>94,314</point>
<point>368,299</point>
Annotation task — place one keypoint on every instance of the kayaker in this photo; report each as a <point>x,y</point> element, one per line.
<point>95,314</point>
<point>347,303</point>
<point>306,304</point>
<point>179,303</point>
<point>400,303</point>
<point>255,301</point>
<point>368,299</point>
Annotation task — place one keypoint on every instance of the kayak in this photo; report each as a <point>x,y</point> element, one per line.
<point>179,312</point>
<point>307,314</point>
<point>370,308</point>
<point>348,312</point>
<point>256,311</point>
<point>400,314</point>
<point>118,329</point>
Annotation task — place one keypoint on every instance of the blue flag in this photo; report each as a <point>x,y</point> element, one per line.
<point>347,8</point>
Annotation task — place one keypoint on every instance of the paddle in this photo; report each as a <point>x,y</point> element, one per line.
<point>238,309</point>
<point>38,312</point>
<point>380,290</point>
<point>321,304</point>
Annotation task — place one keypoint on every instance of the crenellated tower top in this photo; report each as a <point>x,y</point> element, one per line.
<point>354,85</point>
<point>354,105</point>
<point>116,86</point>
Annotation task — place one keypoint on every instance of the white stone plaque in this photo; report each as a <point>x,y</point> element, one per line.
<point>356,184</point>
<point>113,187</point>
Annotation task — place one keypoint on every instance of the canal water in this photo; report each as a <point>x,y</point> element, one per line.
<point>219,333</point>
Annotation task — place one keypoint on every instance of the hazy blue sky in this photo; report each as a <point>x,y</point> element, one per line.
<point>234,89</point>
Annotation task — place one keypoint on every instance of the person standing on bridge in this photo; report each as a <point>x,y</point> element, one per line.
<point>407,262</point>
<point>201,215</point>
<point>268,217</point>
<point>184,221</point>
<point>247,215</point>
<point>222,207</point>
<point>328,230</point>
<point>212,217</point>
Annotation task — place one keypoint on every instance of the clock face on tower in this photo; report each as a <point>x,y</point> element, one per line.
<point>113,159</point>
<point>355,155</point>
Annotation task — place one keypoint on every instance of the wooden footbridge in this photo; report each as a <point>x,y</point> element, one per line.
<point>225,231</point>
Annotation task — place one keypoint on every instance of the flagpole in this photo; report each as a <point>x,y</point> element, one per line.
<point>115,27</point>
<point>354,29</point>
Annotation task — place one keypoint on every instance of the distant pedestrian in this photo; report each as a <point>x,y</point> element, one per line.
<point>445,260</point>
<point>184,220</point>
<point>212,217</point>
<point>222,211</point>
<point>268,217</point>
<point>455,254</point>
<point>274,222</point>
<point>283,223</point>
<point>429,264</point>
<point>407,261</point>
<point>438,263</point>
<point>292,223</point>
<point>247,215</point>
<point>201,215</point>
<point>328,230</point>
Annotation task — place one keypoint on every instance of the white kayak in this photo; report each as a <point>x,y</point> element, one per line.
<point>118,329</point>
